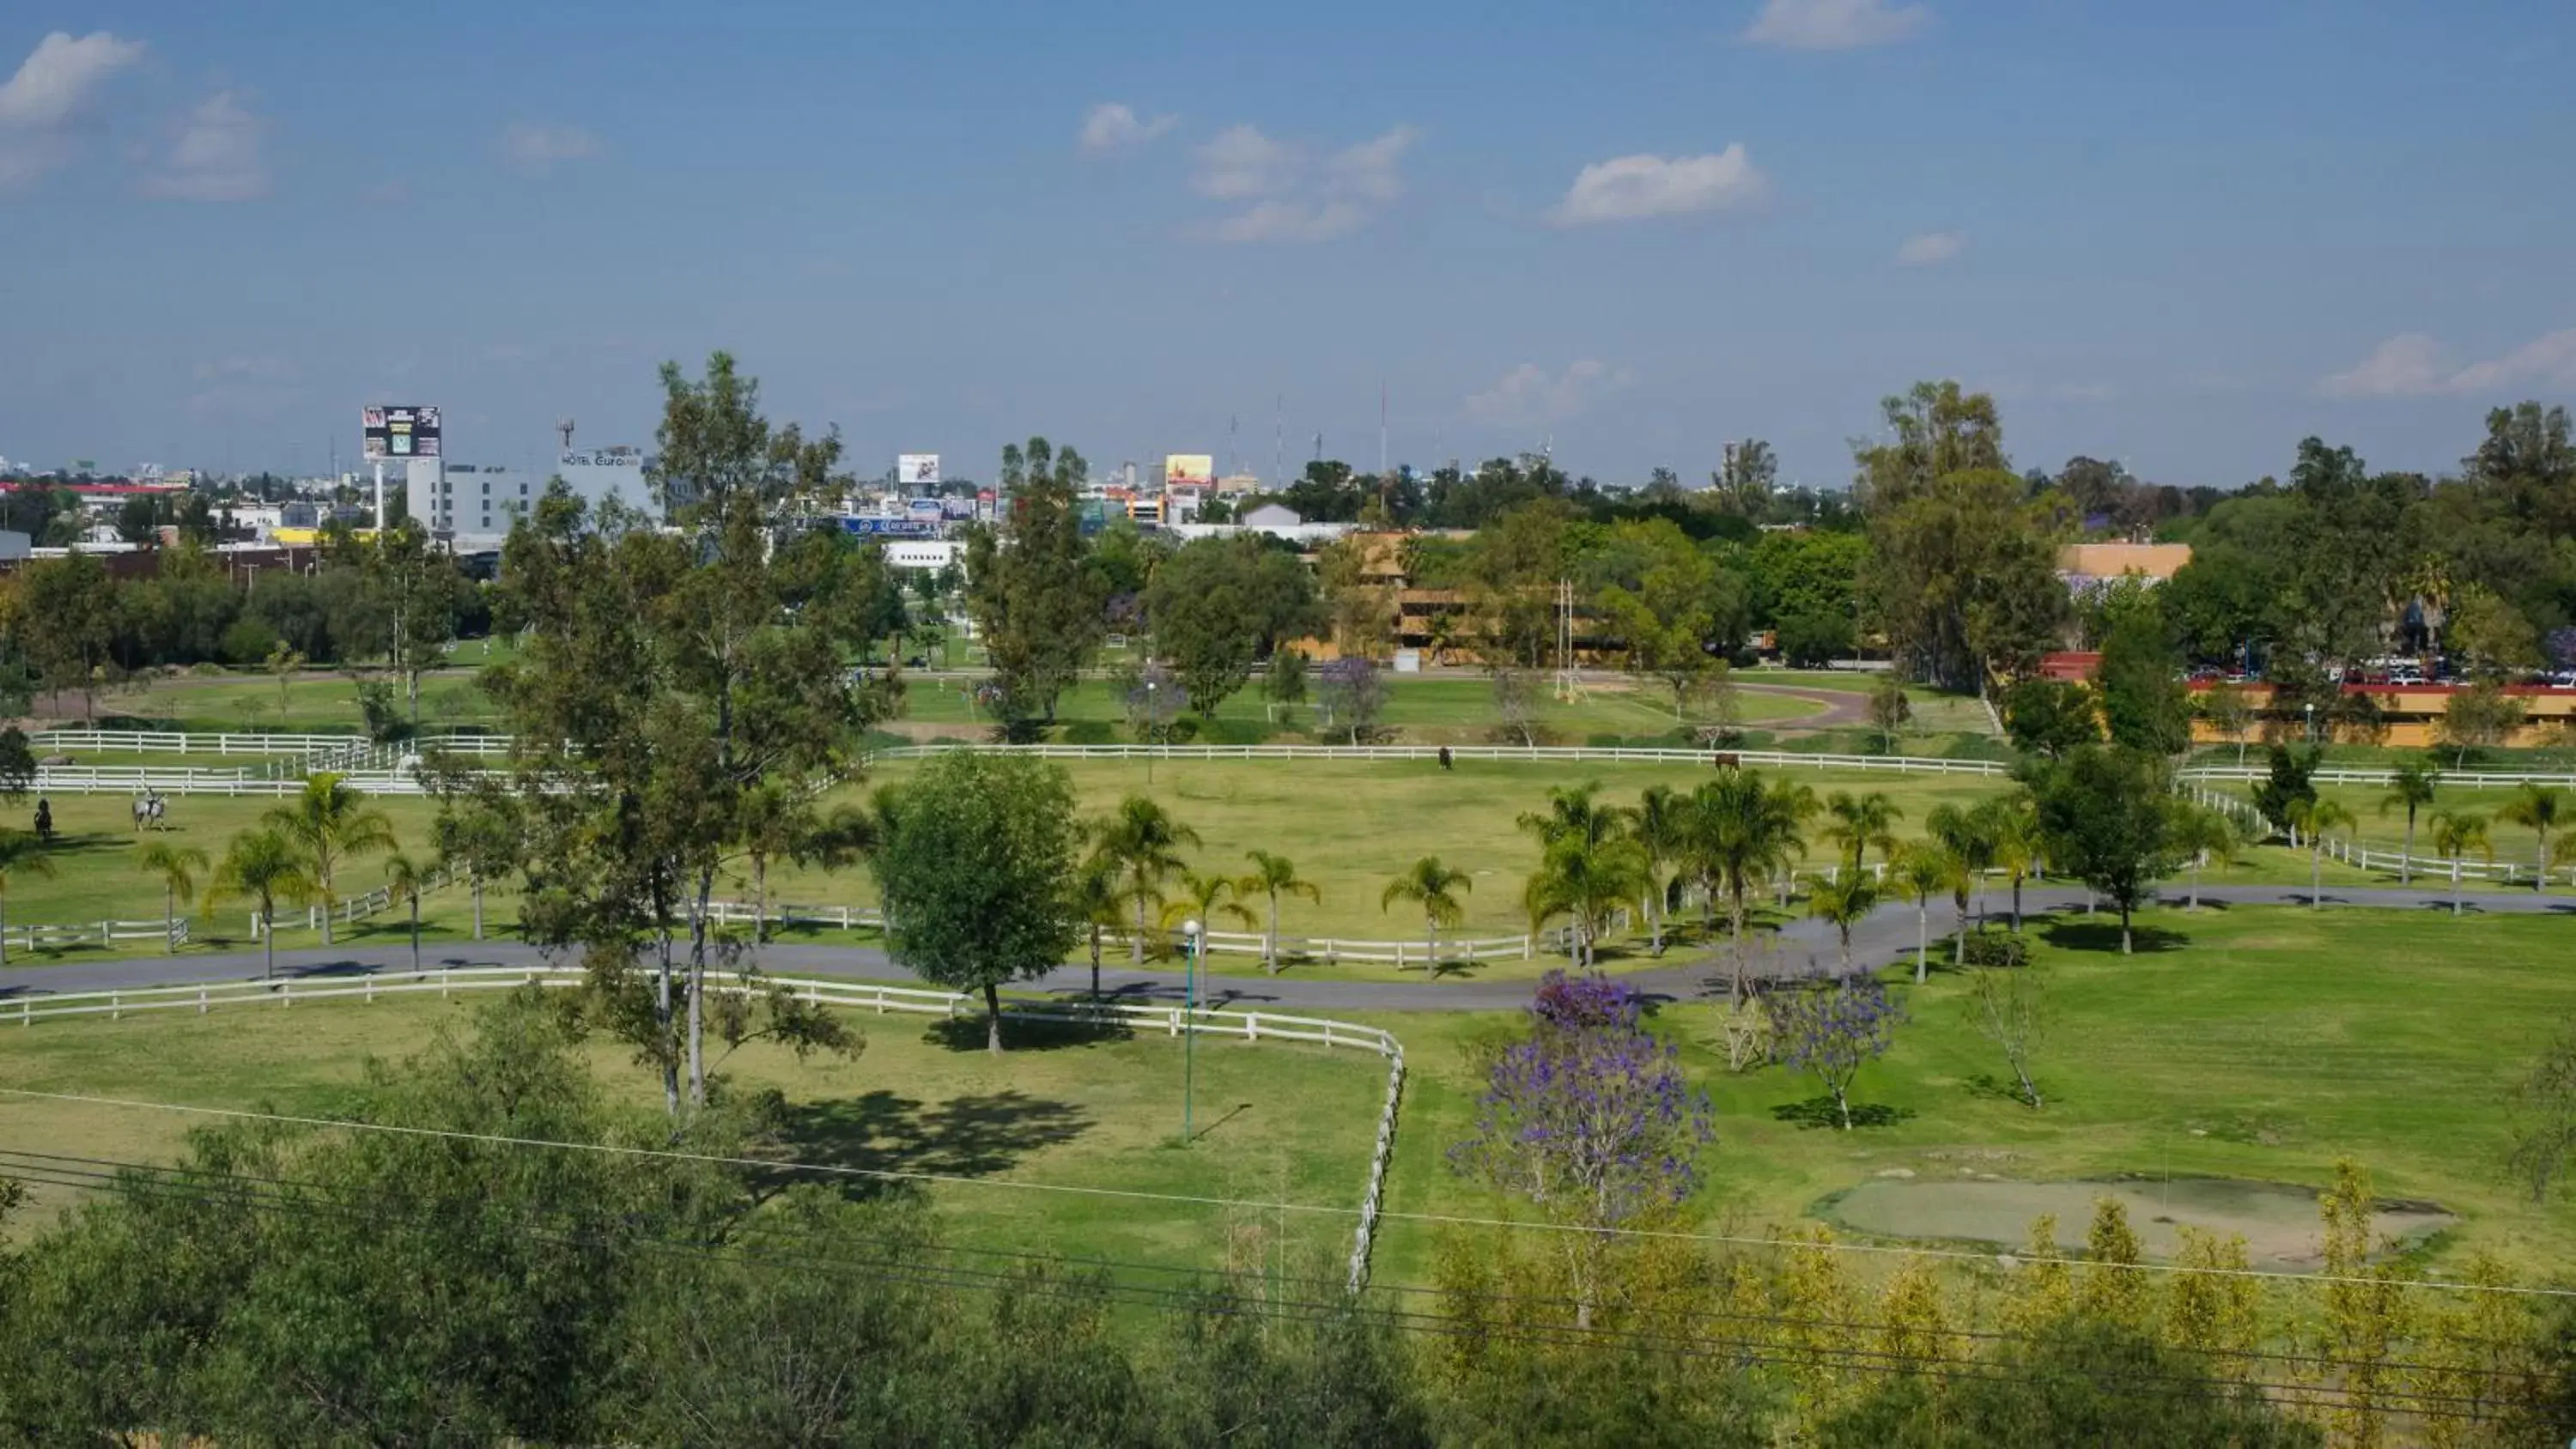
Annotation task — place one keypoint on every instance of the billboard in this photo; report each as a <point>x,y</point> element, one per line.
<point>398,432</point>
<point>1186,469</point>
<point>917,469</point>
<point>891,527</point>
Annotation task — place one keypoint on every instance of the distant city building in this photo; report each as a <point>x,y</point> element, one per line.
<point>474,504</point>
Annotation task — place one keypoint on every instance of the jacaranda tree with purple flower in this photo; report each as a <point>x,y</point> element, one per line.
<point>1590,1118</point>
<point>1833,1031</point>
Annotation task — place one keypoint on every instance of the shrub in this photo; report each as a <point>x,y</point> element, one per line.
<point>1995,948</point>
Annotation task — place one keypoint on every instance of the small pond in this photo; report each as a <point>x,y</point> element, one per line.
<point>2278,1221</point>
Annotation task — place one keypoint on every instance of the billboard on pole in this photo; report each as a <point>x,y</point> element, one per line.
<point>398,432</point>
<point>1187,469</point>
<point>916,469</point>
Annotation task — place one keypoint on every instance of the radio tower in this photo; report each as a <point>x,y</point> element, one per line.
<point>563,432</point>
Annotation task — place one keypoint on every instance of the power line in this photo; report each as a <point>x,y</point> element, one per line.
<point>1326,1209</point>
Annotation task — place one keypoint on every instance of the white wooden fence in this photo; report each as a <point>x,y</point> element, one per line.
<point>172,932</point>
<point>1525,754</point>
<point>358,907</point>
<point>1403,955</point>
<point>2373,858</point>
<point>2355,775</point>
<point>176,742</point>
<point>1172,1021</point>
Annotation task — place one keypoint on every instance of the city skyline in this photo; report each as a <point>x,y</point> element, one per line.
<point>2183,243</point>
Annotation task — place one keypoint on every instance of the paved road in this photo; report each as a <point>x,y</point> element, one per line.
<point>1887,936</point>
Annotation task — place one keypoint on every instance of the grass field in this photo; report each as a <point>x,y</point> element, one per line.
<point>1273,1122</point>
<point>2513,844</point>
<point>2255,1044</point>
<point>2260,1043</point>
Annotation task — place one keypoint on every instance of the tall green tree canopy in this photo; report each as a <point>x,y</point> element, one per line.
<point>1036,603</point>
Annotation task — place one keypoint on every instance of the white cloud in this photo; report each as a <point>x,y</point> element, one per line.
<point>1242,162</point>
<point>1835,24</point>
<point>1295,198</point>
<point>538,149</point>
<point>1632,188</point>
<point>216,156</point>
<point>1282,220</point>
<point>48,94</point>
<point>1930,249</point>
<point>1113,126</point>
<point>2414,364</point>
<point>1369,169</point>
<point>1530,396</point>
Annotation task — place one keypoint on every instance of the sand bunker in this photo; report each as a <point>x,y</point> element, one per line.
<point>2278,1222</point>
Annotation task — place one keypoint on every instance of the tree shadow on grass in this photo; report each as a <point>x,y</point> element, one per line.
<point>882,1132</point>
<point>2005,1089</point>
<point>1820,1112</point>
<point>1025,1033</point>
<point>2104,935</point>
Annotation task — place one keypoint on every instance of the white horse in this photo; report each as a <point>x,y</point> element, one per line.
<point>150,809</point>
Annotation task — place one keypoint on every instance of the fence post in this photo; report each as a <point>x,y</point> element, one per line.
<point>115,1007</point>
<point>286,993</point>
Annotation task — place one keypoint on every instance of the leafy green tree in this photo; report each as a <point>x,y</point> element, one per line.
<point>2479,717</point>
<point>2229,708</point>
<point>1889,711</point>
<point>1143,843</point>
<point>2145,703</point>
<point>1964,578</point>
<point>1433,889</point>
<point>2538,809</point>
<point>483,841</point>
<point>2455,834</point>
<point>1271,877</point>
<point>329,822</point>
<point>1097,902</point>
<point>1814,641</point>
<point>1670,613</point>
<point>2544,1116</point>
<point>416,587</point>
<point>2102,813</point>
<point>2411,785</point>
<point>66,623</point>
<point>2010,1007</point>
<point>977,854</point>
<point>1285,685</point>
<point>1932,432</point>
<point>17,763</point>
<point>1219,605</point>
<point>264,867</point>
<point>2286,782</point>
<point>179,867</point>
<point>2050,717</point>
<point>1036,605</point>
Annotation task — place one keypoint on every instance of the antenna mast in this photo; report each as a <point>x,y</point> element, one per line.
<point>563,431</point>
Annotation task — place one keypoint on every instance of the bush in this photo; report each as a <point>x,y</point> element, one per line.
<point>248,641</point>
<point>1996,948</point>
<point>1812,641</point>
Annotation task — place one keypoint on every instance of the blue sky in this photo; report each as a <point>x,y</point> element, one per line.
<point>2183,235</point>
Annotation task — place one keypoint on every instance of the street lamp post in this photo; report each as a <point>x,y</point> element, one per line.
<point>2312,721</point>
<point>1190,1024</point>
<point>1153,726</point>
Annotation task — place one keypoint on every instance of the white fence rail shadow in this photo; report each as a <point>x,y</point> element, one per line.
<point>1172,1021</point>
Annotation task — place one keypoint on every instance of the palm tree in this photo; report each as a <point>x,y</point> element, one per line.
<point>1844,898</point>
<point>1963,834</point>
<point>2205,835</point>
<point>1432,886</point>
<point>2455,834</point>
<point>2410,787</point>
<point>1573,811</point>
<point>1143,842</point>
<point>1742,832</point>
<point>2315,820</point>
<point>1857,822</point>
<point>1097,900</point>
<point>1203,898</point>
<point>1274,876</point>
<point>1585,882</point>
<point>407,878</point>
<point>178,866</point>
<point>2012,826</point>
<point>1923,870</point>
<point>2537,808</point>
<point>329,822</point>
<point>263,865</point>
<point>21,854</point>
<point>1661,827</point>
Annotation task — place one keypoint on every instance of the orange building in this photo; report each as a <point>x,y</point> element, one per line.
<point>2410,715</point>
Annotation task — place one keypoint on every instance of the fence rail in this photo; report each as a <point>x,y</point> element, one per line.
<point>101,933</point>
<point>2370,857</point>
<point>2352,775</point>
<point>1252,1026</point>
<point>1535,754</point>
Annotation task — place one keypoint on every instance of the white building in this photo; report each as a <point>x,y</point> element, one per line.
<point>927,554</point>
<point>475,504</point>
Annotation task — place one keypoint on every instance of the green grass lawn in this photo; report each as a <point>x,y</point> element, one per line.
<point>1273,1122</point>
<point>310,703</point>
<point>2258,1043</point>
<point>2513,844</point>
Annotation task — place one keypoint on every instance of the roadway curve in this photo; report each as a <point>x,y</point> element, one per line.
<point>1887,936</point>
